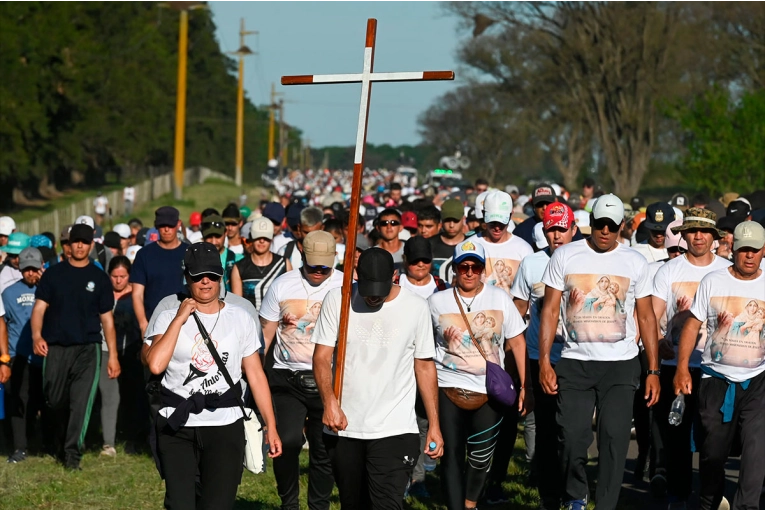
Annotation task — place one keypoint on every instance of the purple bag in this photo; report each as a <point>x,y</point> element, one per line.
<point>499,384</point>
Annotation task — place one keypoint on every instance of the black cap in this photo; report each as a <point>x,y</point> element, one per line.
<point>202,258</point>
<point>471,215</point>
<point>140,237</point>
<point>231,212</point>
<point>166,216</point>
<point>729,223</point>
<point>636,203</point>
<point>112,240</point>
<point>738,208</point>
<point>589,182</point>
<point>375,271</point>
<point>81,232</point>
<point>544,193</point>
<point>658,216</point>
<point>417,248</point>
<point>293,214</point>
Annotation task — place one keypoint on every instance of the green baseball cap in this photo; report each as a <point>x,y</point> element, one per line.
<point>17,242</point>
<point>452,209</point>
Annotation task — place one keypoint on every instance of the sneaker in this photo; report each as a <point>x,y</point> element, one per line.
<point>108,451</point>
<point>724,505</point>
<point>18,456</point>
<point>418,490</point>
<point>496,495</point>
<point>576,504</point>
<point>658,486</point>
<point>72,465</point>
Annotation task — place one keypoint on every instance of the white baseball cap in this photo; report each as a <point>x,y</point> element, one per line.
<point>86,220</point>
<point>479,203</point>
<point>123,229</point>
<point>261,227</point>
<point>498,206</point>
<point>7,226</point>
<point>539,236</point>
<point>131,252</point>
<point>609,206</point>
<point>748,234</point>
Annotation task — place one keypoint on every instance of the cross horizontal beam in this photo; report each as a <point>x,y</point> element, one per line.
<point>308,79</point>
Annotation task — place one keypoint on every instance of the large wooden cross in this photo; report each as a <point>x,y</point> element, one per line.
<point>366,77</point>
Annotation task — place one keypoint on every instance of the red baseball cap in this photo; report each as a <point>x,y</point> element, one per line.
<point>195,219</point>
<point>409,220</point>
<point>558,214</point>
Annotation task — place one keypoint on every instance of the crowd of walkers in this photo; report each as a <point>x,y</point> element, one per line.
<point>471,311</point>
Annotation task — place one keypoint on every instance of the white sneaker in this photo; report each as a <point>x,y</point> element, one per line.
<point>108,451</point>
<point>724,505</point>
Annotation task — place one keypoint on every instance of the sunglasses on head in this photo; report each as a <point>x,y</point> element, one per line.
<point>392,223</point>
<point>464,268</point>
<point>210,276</point>
<point>602,223</point>
<point>317,269</point>
<point>213,224</point>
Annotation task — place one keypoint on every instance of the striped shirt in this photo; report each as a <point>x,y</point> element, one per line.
<point>257,279</point>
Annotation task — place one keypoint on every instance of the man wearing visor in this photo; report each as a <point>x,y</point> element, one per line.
<point>288,314</point>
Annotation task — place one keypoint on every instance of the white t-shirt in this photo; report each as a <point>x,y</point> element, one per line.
<point>650,253</point>
<point>502,260</point>
<point>675,283</point>
<point>379,385</point>
<point>129,193</point>
<point>194,237</point>
<point>424,291</point>
<point>192,368</point>
<point>599,293</point>
<point>735,312</point>
<point>493,319</point>
<point>528,286</point>
<point>294,304</point>
<point>100,204</point>
<point>279,241</point>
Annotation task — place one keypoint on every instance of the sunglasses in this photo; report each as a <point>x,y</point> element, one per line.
<point>602,223</point>
<point>251,241</point>
<point>317,269</point>
<point>213,224</point>
<point>392,223</point>
<point>673,249</point>
<point>464,268</point>
<point>210,276</point>
<point>417,261</point>
<point>232,223</point>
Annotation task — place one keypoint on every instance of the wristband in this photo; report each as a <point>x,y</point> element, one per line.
<point>653,372</point>
<point>5,359</point>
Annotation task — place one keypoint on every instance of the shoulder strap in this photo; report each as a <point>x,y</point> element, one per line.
<point>464,318</point>
<point>440,284</point>
<point>396,279</point>
<point>214,352</point>
<point>289,249</point>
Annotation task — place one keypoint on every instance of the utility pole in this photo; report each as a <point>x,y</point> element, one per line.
<point>242,52</point>
<point>272,115</point>
<point>180,105</point>
<point>282,140</point>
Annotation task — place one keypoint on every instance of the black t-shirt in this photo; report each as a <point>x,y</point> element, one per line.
<point>160,271</point>
<point>441,253</point>
<point>76,297</point>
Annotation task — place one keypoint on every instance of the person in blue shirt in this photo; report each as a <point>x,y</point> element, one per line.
<point>24,388</point>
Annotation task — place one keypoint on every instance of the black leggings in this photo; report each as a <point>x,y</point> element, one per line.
<point>471,432</point>
<point>215,453</point>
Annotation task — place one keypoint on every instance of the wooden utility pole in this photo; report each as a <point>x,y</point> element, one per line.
<point>242,52</point>
<point>366,77</point>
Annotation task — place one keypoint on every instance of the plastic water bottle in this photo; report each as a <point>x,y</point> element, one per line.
<point>678,408</point>
<point>430,463</point>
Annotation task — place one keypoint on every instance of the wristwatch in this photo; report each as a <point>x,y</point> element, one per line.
<point>653,372</point>
<point>5,359</point>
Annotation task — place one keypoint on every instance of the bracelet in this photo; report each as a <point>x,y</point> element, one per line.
<point>653,372</point>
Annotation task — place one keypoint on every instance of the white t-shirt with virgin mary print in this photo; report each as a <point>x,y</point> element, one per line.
<point>502,260</point>
<point>599,293</point>
<point>294,304</point>
<point>675,283</point>
<point>493,319</point>
<point>735,313</point>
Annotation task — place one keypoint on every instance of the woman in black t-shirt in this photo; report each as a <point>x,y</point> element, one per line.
<point>253,275</point>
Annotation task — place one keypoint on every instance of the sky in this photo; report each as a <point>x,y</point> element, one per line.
<point>327,38</point>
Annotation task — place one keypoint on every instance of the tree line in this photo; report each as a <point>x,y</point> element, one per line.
<point>569,89</point>
<point>89,90</point>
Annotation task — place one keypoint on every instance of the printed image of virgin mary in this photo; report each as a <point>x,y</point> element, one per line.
<point>748,315</point>
<point>599,292</point>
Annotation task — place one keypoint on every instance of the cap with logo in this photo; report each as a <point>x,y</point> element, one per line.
<point>543,194</point>
<point>213,226</point>
<point>497,207</point>
<point>261,228</point>
<point>274,212</point>
<point>123,229</point>
<point>17,242</point>
<point>375,272</point>
<point>698,218</point>
<point>748,234</point>
<point>319,249</point>
<point>152,236</point>
<point>740,208</point>
<point>469,249</point>
<point>85,220</point>
<point>409,220</point>
<point>418,248</point>
<point>680,201</point>
<point>81,232</point>
<point>452,209</point>
<point>608,207</point>
<point>30,257</point>
<point>558,215</point>
<point>7,226</point>
<point>658,216</point>
<point>538,235</point>
<point>132,251</point>
<point>202,258</point>
<point>244,212</point>
<point>166,216</point>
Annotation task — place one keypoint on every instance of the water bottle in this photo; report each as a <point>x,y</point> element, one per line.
<point>678,408</point>
<point>430,463</point>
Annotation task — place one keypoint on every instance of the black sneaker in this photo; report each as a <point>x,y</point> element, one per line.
<point>72,464</point>
<point>495,495</point>
<point>18,456</point>
<point>658,486</point>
